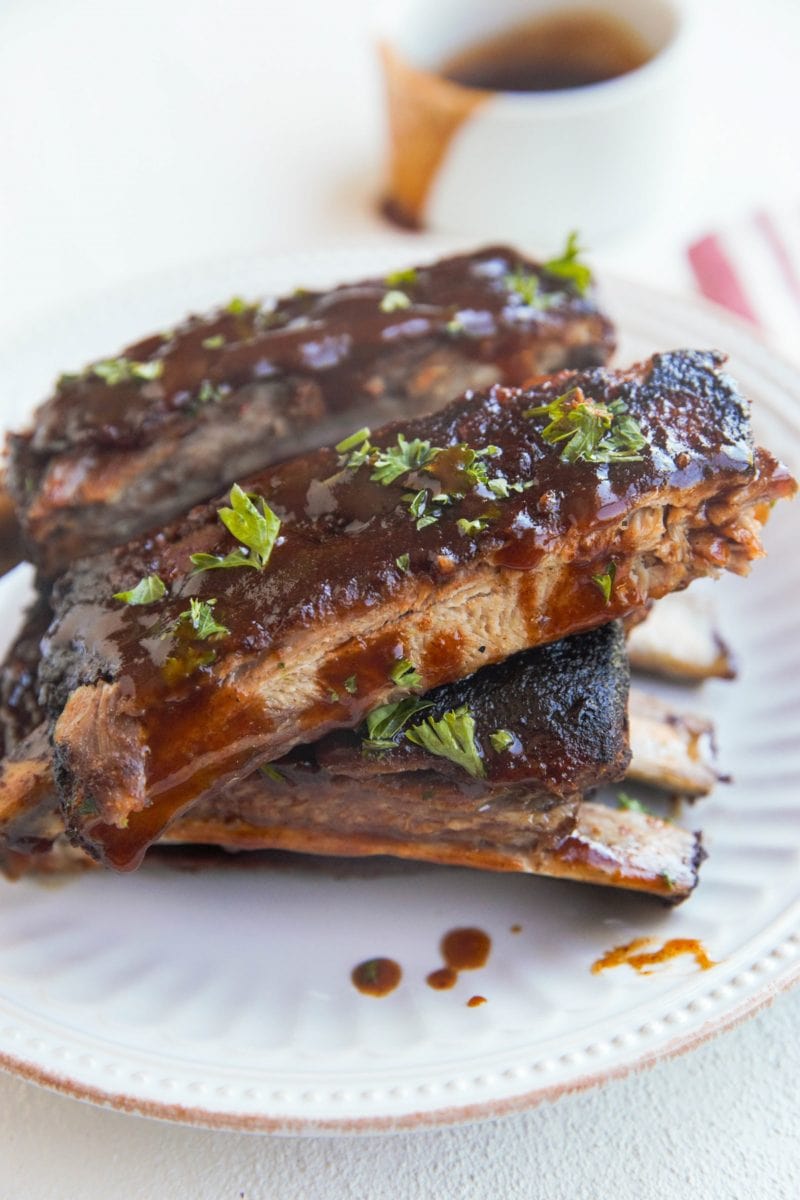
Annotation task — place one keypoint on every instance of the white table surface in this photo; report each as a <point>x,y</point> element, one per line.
<point>137,137</point>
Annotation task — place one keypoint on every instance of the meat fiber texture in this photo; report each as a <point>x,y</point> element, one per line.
<point>339,602</point>
<point>132,441</point>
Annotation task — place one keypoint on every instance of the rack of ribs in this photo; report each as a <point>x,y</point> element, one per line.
<point>132,441</point>
<point>433,566</point>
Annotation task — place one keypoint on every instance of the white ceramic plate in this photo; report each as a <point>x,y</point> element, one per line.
<point>224,997</point>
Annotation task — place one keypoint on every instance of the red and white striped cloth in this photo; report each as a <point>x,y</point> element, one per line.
<point>753,269</point>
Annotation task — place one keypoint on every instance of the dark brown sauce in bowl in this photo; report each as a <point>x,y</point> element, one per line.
<point>567,49</point>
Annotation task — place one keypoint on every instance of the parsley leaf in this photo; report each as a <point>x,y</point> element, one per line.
<point>351,685</point>
<point>403,278</point>
<point>501,739</point>
<point>630,803</point>
<point>605,582</point>
<point>270,772</point>
<point>452,737</point>
<point>525,284</point>
<point>393,461</point>
<point>236,306</point>
<point>254,524</point>
<point>592,431</point>
<point>418,507</point>
<point>123,370</point>
<point>215,342</point>
<point>394,301</point>
<point>355,439</point>
<point>208,393</point>
<point>468,527</point>
<point>566,265</point>
<point>147,591</point>
<point>405,674</point>
<point>403,562</point>
<point>200,616</point>
<point>385,722</point>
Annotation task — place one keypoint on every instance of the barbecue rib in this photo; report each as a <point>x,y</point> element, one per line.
<point>146,725</point>
<point>629,850</point>
<point>131,442</point>
<point>613,849</point>
<point>566,704</point>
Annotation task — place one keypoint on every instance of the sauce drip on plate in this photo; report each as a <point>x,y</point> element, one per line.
<point>376,976</point>
<point>634,955</point>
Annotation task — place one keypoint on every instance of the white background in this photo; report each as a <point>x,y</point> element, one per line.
<point>137,137</point>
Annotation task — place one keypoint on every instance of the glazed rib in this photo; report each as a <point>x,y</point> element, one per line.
<point>564,706</point>
<point>111,454</point>
<point>135,748</point>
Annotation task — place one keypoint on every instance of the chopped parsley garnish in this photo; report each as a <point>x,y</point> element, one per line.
<point>501,739</point>
<point>452,737</point>
<point>236,306</point>
<point>469,527</point>
<point>605,582</point>
<point>351,685</point>
<point>384,723</point>
<point>200,617</point>
<point>400,279</point>
<point>669,880</point>
<point>355,439</point>
<point>333,696</point>
<point>459,468</point>
<point>405,674</point>
<point>147,591</point>
<point>631,804</point>
<point>392,462</point>
<point>592,431</point>
<point>500,487</point>
<point>525,284</point>
<point>567,265</point>
<point>123,370</point>
<point>394,301</point>
<point>208,393</point>
<point>403,562</point>
<point>455,327</point>
<point>215,342</point>
<point>270,772</point>
<point>418,507</point>
<point>253,523</point>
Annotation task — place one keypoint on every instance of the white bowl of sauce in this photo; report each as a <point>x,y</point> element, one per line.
<point>526,118</point>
